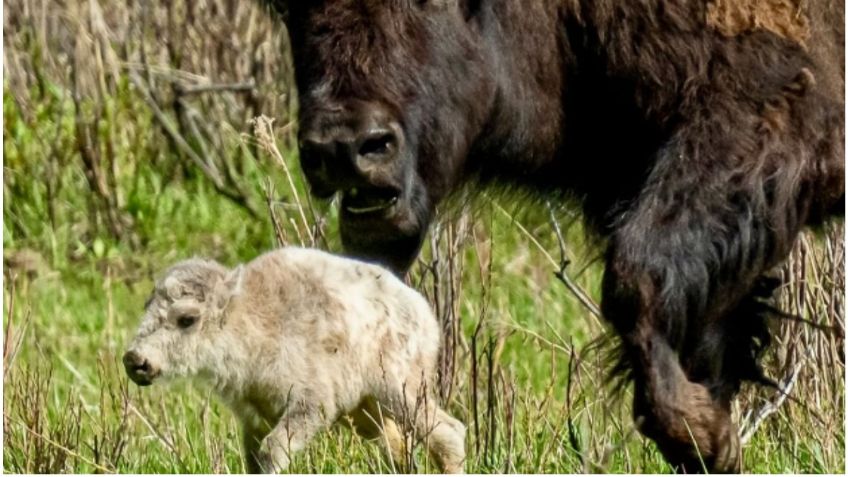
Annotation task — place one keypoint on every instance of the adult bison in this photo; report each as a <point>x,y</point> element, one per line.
<point>699,136</point>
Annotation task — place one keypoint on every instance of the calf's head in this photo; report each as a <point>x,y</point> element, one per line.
<point>182,319</point>
<point>392,94</point>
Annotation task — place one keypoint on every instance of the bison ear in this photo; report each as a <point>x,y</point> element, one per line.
<point>230,287</point>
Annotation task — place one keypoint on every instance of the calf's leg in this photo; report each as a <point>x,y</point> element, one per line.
<point>251,442</point>
<point>290,435</point>
<point>443,435</point>
<point>371,422</point>
<point>446,442</point>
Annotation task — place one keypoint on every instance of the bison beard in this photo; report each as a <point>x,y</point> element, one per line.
<point>698,149</point>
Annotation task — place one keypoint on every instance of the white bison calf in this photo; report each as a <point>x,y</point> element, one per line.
<point>294,341</point>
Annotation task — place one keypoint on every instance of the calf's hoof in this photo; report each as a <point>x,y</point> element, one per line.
<point>272,462</point>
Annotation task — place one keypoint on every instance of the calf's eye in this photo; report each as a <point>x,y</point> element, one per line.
<point>186,321</point>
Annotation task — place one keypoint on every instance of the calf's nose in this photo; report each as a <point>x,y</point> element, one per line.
<point>139,369</point>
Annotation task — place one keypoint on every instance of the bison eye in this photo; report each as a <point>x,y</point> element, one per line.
<point>186,321</point>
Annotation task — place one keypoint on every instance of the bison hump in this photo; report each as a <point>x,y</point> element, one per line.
<point>787,18</point>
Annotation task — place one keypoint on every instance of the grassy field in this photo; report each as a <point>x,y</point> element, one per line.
<point>129,145</point>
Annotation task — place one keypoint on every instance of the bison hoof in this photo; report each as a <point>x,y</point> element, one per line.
<point>693,432</point>
<point>725,456</point>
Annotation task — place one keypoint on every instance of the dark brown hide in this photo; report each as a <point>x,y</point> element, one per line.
<point>699,136</point>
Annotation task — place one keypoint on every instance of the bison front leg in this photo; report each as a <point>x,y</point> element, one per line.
<point>645,298</point>
<point>690,426</point>
<point>692,429</point>
<point>681,265</point>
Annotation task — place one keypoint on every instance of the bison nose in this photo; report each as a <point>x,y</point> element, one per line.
<point>139,369</point>
<point>346,159</point>
<point>377,145</point>
<point>374,145</point>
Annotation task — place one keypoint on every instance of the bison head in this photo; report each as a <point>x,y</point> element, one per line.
<point>392,94</point>
<point>180,333</point>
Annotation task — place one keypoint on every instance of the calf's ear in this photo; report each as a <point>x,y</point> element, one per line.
<point>173,287</point>
<point>230,287</point>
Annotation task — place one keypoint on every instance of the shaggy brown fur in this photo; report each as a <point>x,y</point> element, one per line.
<point>699,137</point>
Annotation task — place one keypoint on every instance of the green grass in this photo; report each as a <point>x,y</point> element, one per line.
<point>537,403</point>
